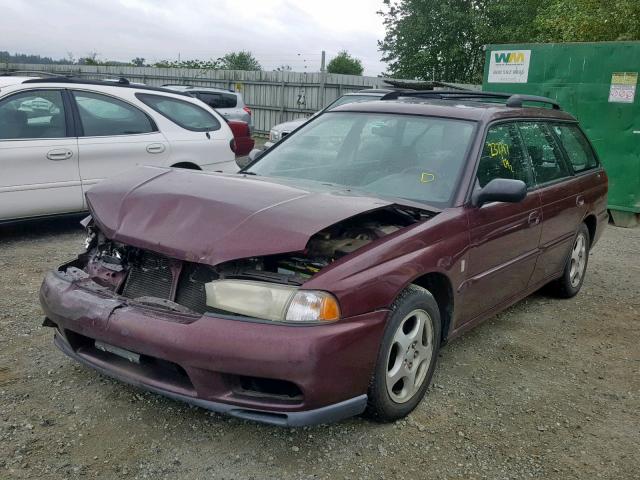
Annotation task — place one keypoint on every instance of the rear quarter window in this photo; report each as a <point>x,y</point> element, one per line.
<point>218,100</point>
<point>185,114</point>
<point>577,147</point>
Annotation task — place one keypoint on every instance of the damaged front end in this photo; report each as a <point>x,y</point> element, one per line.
<point>218,333</point>
<point>263,287</point>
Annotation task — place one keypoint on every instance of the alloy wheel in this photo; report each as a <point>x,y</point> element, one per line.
<point>409,356</point>
<point>578,260</point>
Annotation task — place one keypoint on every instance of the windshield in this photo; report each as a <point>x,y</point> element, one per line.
<point>353,99</point>
<point>415,157</point>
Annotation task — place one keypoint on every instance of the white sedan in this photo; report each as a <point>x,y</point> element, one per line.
<point>59,136</point>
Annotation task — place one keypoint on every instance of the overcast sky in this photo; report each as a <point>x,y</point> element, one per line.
<point>276,31</point>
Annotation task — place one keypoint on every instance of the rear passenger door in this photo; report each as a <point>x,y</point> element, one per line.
<point>503,236</point>
<point>560,194</point>
<point>114,137</point>
<point>38,155</point>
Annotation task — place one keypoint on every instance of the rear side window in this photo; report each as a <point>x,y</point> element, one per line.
<point>104,116</point>
<point>546,158</point>
<point>185,114</point>
<point>502,156</point>
<point>577,147</point>
<point>33,114</point>
<point>218,100</point>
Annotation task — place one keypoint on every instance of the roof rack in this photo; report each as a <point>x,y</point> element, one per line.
<point>121,82</point>
<point>421,85</point>
<point>512,100</point>
<point>13,73</point>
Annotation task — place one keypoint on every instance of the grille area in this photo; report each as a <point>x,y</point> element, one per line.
<point>150,276</point>
<point>190,292</point>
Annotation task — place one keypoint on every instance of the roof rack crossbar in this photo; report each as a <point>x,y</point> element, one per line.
<point>517,100</point>
<point>512,100</point>
<point>12,73</point>
<point>121,82</point>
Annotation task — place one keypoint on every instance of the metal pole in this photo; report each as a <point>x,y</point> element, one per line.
<point>323,80</point>
<point>282,104</point>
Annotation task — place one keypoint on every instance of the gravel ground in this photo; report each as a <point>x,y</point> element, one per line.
<point>547,389</point>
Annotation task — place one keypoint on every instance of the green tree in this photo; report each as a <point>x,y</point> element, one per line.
<point>201,64</point>
<point>432,39</point>
<point>444,39</point>
<point>90,59</point>
<point>243,60</point>
<point>589,20</point>
<point>345,64</point>
<point>138,62</point>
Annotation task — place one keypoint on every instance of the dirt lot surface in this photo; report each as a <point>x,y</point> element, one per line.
<point>548,389</point>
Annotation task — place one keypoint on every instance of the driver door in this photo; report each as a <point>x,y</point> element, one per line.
<point>504,237</point>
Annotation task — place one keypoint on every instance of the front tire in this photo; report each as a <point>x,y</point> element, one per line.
<point>407,357</point>
<point>570,283</point>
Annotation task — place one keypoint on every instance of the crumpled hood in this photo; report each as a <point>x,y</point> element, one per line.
<point>213,218</point>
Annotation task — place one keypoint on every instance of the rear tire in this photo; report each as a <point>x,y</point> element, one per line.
<point>407,356</point>
<point>570,283</point>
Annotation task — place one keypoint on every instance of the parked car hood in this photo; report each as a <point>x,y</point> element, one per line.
<point>213,218</point>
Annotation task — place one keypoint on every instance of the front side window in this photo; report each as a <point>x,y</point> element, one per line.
<point>185,114</point>
<point>545,155</point>
<point>502,156</point>
<point>577,147</point>
<point>413,157</point>
<point>33,114</point>
<point>103,116</point>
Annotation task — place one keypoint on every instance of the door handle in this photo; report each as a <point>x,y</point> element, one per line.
<point>59,154</point>
<point>534,219</point>
<point>155,148</point>
<point>579,201</point>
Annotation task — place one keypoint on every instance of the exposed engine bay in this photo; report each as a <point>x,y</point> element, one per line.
<point>179,285</point>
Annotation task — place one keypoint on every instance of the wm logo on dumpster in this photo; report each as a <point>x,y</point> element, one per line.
<point>510,57</point>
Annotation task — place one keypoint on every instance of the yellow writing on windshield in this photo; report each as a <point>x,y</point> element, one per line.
<point>427,177</point>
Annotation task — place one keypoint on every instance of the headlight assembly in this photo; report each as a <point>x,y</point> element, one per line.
<point>280,303</point>
<point>274,135</point>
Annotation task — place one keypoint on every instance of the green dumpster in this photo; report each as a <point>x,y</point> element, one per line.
<point>597,83</point>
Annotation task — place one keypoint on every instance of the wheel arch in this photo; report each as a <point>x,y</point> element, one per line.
<point>439,285</point>
<point>592,224</point>
<point>187,165</point>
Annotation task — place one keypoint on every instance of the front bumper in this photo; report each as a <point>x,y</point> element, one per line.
<point>330,364</point>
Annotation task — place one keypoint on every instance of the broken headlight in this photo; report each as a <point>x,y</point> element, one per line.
<point>280,303</point>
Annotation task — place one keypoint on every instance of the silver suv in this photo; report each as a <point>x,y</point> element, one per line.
<point>226,102</point>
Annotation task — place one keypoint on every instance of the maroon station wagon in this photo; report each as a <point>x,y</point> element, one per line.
<point>320,281</point>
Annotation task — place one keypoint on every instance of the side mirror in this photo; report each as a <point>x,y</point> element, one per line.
<point>500,190</point>
<point>252,157</point>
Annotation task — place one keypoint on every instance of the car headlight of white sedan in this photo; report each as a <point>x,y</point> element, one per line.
<point>274,135</point>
